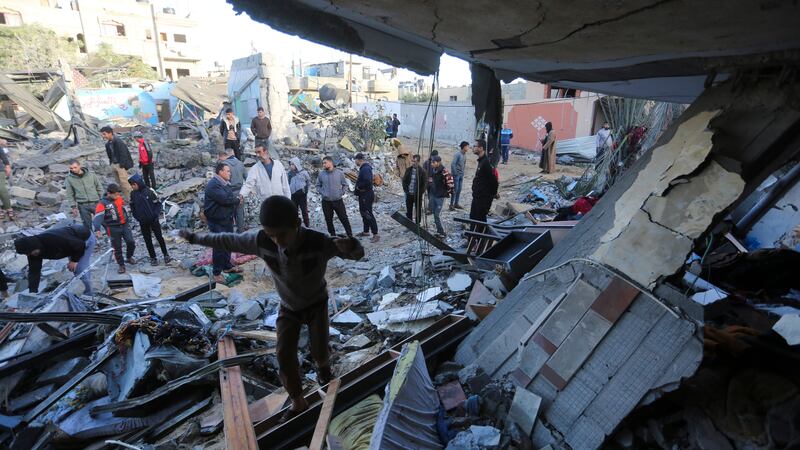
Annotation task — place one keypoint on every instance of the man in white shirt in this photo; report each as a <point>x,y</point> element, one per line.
<point>604,141</point>
<point>266,178</point>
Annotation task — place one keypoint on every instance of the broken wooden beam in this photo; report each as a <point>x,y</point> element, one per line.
<point>321,430</point>
<point>421,232</point>
<point>239,432</point>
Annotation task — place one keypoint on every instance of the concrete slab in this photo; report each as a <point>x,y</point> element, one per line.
<point>578,345</point>
<point>569,312</point>
<point>524,410</point>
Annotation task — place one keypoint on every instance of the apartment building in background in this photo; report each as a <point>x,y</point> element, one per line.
<point>163,39</point>
<point>368,83</point>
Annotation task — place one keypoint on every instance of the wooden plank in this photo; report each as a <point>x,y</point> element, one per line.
<point>325,414</point>
<point>258,335</point>
<point>239,432</point>
<point>265,407</point>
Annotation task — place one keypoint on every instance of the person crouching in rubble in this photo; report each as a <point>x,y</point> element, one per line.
<point>73,241</point>
<point>299,183</point>
<point>110,213</point>
<point>297,258</point>
<point>146,209</point>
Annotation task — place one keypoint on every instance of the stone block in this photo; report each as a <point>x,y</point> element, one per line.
<point>249,309</point>
<point>21,192</point>
<point>387,277</point>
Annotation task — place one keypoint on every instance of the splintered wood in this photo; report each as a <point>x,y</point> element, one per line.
<point>239,432</point>
<point>325,414</point>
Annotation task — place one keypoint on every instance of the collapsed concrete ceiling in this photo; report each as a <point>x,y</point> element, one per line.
<point>659,49</point>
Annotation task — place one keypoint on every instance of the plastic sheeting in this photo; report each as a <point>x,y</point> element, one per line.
<point>145,286</point>
<point>410,406</point>
<point>353,427</point>
<point>581,149</point>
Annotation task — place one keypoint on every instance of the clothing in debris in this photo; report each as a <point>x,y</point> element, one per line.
<point>261,127</point>
<point>56,243</point>
<point>366,197</point>
<point>111,215</point>
<point>415,183</point>
<point>484,188</point>
<point>299,184</point>
<point>146,163</point>
<point>265,185</point>
<point>548,161</point>
<point>146,209</point>
<point>220,208</point>
<point>236,182</point>
<point>230,130</point>
<point>83,193</point>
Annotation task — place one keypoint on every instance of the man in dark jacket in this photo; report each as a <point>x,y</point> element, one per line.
<point>230,129</point>
<point>429,172</point>
<point>146,209</point>
<point>236,183</point>
<point>120,159</point>
<point>111,215</point>
<point>395,125</point>
<point>297,259</point>
<point>415,182</point>
<point>219,208</point>
<point>74,241</point>
<point>366,197</point>
<point>261,127</point>
<point>438,193</point>
<point>484,185</point>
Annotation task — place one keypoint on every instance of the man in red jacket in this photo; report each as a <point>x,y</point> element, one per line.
<point>146,162</point>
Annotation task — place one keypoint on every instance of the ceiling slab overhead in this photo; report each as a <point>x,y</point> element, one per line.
<point>661,49</point>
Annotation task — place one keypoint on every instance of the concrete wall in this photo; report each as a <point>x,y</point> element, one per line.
<point>454,122</point>
<point>260,80</point>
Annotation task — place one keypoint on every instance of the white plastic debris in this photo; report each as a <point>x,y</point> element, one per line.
<point>789,328</point>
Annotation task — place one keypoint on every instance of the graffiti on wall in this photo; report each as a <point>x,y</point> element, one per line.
<point>528,121</point>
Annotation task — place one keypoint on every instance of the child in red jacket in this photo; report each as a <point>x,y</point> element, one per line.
<point>146,162</point>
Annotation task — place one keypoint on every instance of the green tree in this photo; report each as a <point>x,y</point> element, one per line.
<point>363,128</point>
<point>34,47</point>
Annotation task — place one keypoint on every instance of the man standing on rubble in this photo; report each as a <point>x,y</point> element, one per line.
<point>484,185</point>
<point>146,163</point>
<point>395,125</point>
<point>331,185</point>
<point>506,134</point>
<point>266,178</point>
<point>415,182</point>
<point>457,168</point>
<point>366,197</point>
<point>120,159</point>
<point>438,193</point>
<point>261,127</point>
<point>237,181</point>
<point>230,129</point>
<point>297,259</point>
<point>428,167</point>
<point>219,208</point>
<point>73,241</point>
<point>299,184</point>
<point>5,176</point>
<point>84,190</point>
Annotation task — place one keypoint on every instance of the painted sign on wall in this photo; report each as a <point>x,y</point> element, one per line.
<point>120,102</point>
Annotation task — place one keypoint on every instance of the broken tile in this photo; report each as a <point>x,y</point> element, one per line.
<point>569,312</point>
<point>459,282</point>
<point>357,342</point>
<point>451,395</point>
<point>428,294</point>
<point>525,409</point>
<point>578,345</point>
<point>387,277</point>
<point>347,317</point>
<point>416,269</point>
<point>387,299</point>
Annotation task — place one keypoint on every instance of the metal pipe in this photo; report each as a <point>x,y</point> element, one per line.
<point>781,186</point>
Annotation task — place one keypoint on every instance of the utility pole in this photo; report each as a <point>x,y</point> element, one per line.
<point>156,40</point>
<point>350,81</point>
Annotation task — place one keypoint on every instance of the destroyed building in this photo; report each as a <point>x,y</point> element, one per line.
<point>663,316</point>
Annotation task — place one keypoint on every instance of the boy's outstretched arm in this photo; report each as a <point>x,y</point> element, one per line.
<point>246,243</point>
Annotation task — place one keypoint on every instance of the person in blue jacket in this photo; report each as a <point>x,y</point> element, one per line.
<point>146,209</point>
<point>366,197</point>
<point>219,208</point>
<point>505,142</point>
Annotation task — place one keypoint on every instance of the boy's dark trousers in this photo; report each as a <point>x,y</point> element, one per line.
<point>118,234</point>
<point>149,175</point>
<point>234,145</point>
<point>148,230</point>
<point>300,198</point>
<point>288,328</point>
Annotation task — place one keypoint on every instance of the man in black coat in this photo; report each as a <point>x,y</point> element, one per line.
<point>219,208</point>
<point>120,159</point>
<point>484,185</point>
<point>415,182</point>
<point>73,241</point>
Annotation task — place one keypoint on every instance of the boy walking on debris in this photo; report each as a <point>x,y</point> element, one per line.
<point>146,208</point>
<point>366,197</point>
<point>230,128</point>
<point>415,182</point>
<point>331,185</point>
<point>120,159</point>
<point>299,183</point>
<point>438,193</point>
<point>457,168</point>
<point>146,163</point>
<point>297,259</point>
<point>110,213</point>
<point>84,190</point>
<point>219,208</point>
<point>237,180</point>
<point>73,241</point>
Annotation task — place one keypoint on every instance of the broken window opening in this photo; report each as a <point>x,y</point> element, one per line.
<point>453,98</point>
<point>179,38</point>
<point>112,28</point>
<point>182,73</point>
<point>10,18</point>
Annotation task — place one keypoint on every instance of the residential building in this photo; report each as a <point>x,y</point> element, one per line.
<point>164,40</point>
<point>368,84</point>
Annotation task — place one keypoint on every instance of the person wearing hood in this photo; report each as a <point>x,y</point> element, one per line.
<point>73,241</point>
<point>237,181</point>
<point>548,160</point>
<point>146,209</point>
<point>403,161</point>
<point>84,190</point>
<point>266,178</point>
<point>299,183</point>
<point>230,128</point>
<point>366,197</point>
<point>146,164</point>
<point>110,215</point>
